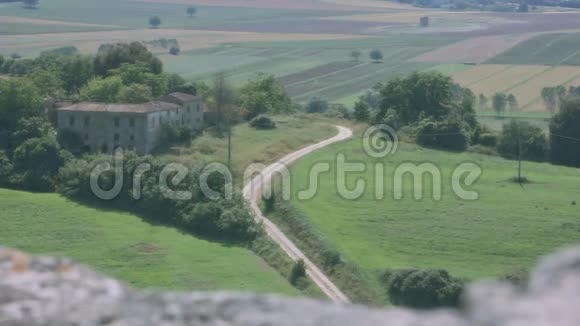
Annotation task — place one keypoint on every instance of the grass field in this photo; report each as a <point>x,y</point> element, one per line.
<point>136,14</point>
<point>124,246</point>
<point>507,228</point>
<point>255,146</point>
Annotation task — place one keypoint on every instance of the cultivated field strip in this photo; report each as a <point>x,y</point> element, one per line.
<point>524,81</point>
<point>547,49</point>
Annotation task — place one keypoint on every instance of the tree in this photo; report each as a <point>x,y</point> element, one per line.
<point>417,96</point>
<point>550,98</point>
<point>376,55</point>
<point>316,105</point>
<point>36,161</point>
<point>264,94</point>
<point>499,102</point>
<point>191,11</point>
<point>513,103</point>
<point>175,50</point>
<point>19,98</point>
<point>155,22</point>
<point>423,288</point>
<point>112,56</point>
<point>298,271</point>
<point>520,139</point>
<point>102,90</point>
<point>49,82</point>
<point>263,122</point>
<point>361,111</point>
<point>33,127</point>
<point>222,101</point>
<point>355,55</point>
<point>135,93</point>
<point>30,4</point>
<point>448,135</point>
<point>565,134</point>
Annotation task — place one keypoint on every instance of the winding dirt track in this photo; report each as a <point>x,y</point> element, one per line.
<point>252,192</point>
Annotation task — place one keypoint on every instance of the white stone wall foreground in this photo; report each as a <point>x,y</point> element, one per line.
<point>57,292</point>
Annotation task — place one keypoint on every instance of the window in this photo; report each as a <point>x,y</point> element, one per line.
<point>87,121</point>
<point>198,107</point>
<point>188,109</point>
<point>117,137</point>
<point>131,122</point>
<point>198,120</point>
<point>117,122</point>
<point>71,121</point>
<point>160,120</point>
<point>152,124</point>
<point>168,112</point>
<point>132,138</point>
<point>87,137</point>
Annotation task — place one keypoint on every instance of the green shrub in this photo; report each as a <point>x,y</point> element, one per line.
<point>489,140</point>
<point>263,122</point>
<point>448,135</point>
<point>423,288</point>
<point>523,138</point>
<point>298,272</point>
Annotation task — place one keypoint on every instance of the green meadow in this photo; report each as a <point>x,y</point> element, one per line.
<point>509,227</point>
<point>122,245</point>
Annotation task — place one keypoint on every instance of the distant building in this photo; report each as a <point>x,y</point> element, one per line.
<point>105,127</point>
<point>424,21</point>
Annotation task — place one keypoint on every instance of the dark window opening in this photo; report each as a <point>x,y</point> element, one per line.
<point>71,121</point>
<point>117,137</point>
<point>117,122</point>
<point>87,121</point>
<point>132,122</point>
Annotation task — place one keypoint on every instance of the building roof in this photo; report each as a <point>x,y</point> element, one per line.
<point>183,97</point>
<point>121,108</point>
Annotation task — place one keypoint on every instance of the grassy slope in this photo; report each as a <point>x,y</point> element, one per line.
<point>508,227</point>
<point>256,146</point>
<point>126,247</point>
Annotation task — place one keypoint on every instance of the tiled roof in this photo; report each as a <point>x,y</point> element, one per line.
<point>183,97</point>
<point>121,108</point>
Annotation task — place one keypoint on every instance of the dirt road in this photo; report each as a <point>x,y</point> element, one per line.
<point>252,192</point>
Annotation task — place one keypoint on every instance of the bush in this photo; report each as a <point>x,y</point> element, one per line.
<point>423,288</point>
<point>565,134</point>
<point>175,50</point>
<point>263,122</point>
<point>448,135</point>
<point>489,140</point>
<point>6,169</point>
<point>522,135</point>
<point>36,163</point>
<point>316,105</point>
<point>298,272</point>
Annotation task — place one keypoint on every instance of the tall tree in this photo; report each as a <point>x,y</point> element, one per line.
<point>376,55</point>
<point>565,134</point>
<point>222,100</point>
<point>361,111</point>
<point>155,21</point>
<point>499,102</point>
<point>19,98</point>
<point>355,55</point>
<point>264,94</point>
<point>483,102</point>
<point>111,56</point>
<point>191,11</point>
<point>550,99</point>
<point>513,103</point>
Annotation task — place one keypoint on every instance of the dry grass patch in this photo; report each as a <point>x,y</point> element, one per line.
<point>34,21</point>
<point>477,73</point>
<point>530,91</point>
<point>473,50</point>
<point>188,39</point>
<point>506,79</point>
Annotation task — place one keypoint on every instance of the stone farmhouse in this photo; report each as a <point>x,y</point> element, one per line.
<point>105,127</point>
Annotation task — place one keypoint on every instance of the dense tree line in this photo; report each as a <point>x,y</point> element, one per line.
<point>222,218</point>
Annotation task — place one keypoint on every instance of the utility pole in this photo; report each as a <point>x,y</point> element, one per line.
<point>229,144</point>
